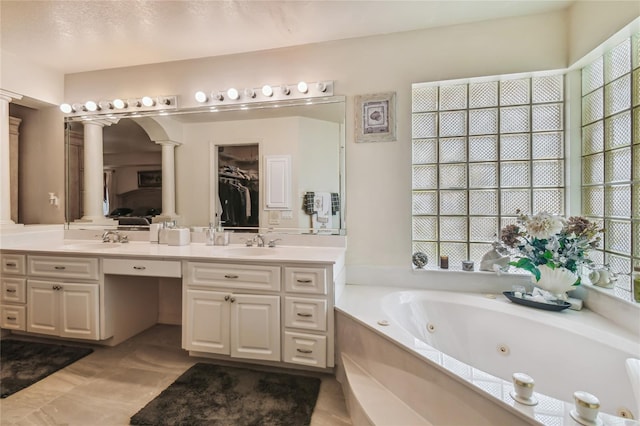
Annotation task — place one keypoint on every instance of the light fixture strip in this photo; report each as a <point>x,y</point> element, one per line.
<point>263,94</point>
<point>118,105</point>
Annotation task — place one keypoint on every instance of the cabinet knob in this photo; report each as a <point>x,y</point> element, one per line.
<point>12,318</point>
<point>139,268</point>
<point>233,299</point>
<point>11,290</point>
<point>304,351</point>
<point>57,287</point>
<point>300,314</point>
<point>59,268</point>
<point>11,265</point>
<point>306,281</point>
<point>226,298</point>
<point>231,276</point>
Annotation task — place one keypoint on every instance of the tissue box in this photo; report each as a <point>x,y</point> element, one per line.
<point>178,236</point>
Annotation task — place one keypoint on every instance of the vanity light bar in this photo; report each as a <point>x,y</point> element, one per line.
<point>104,107</point>
<point>301,90</point>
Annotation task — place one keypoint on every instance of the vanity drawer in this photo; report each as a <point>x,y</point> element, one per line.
<point>14,290</point>
<point>13,264</point>
<point>13,317</point>
<point>305,280</point>
<point>310,314</point>
<point>143,267</point>
<point>305,349</point>
<point>63,267</point>
<point>232,276</point>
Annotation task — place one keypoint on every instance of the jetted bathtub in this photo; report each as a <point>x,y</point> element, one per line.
<point>481,340</point>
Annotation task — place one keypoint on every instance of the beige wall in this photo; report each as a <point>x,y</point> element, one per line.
<point>378,175</point>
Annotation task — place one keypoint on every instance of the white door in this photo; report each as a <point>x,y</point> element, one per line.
<point>79,311</point>
<point>42,307</point>
<point>255,327</point>
<point>207,328</point>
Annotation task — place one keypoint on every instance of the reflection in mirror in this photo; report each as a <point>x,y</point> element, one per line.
<point>132,185</point>
<point>237,203</point>
<point>185,144</point>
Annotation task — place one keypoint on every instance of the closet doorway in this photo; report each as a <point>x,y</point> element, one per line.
<point>238,186</point>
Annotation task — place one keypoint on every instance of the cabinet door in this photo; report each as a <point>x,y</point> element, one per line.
<point>207,327</point>
<point>255,327</point>
<point>79,310</point>
<point>42,307</point>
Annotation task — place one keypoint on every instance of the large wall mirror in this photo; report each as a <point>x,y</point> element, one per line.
<point>255,167</point>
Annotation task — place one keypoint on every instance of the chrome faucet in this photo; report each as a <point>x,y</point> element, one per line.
<point>259,240</point>
<point>272,243</point>
<point>114,237</point>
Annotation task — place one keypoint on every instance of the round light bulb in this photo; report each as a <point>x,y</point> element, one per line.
<point>66,108</point>
<point>119,104</point>
<point>148,102</point>
<point>201,96</point>
<point>91,106</point>
<point>233,94</point>
<point>302,87</point>
<point>267,90</point>
<point>322,86</point>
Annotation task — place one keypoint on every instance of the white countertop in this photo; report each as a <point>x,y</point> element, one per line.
<point>193,251</point>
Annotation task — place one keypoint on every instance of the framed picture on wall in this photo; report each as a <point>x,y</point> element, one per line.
<point>376,117</point>
<point>150,179</point>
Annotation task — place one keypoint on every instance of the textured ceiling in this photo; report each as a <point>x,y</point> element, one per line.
<point>76,36</point>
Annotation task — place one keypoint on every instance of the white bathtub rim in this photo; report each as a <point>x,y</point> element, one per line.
<point>382,331</point>
<point>397,335</point>
<point>584,323</point>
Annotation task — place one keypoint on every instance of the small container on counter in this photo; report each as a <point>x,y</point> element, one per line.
<point>444,262</point>
<point>467,265</point>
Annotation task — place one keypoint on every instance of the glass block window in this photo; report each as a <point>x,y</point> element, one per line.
<point>481,151</point>
<point>611,156</point>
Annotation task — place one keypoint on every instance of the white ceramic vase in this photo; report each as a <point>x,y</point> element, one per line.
<point>556,281</point>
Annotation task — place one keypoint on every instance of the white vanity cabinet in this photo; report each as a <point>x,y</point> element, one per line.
<point>270,312</point>
<point>13,284</point>
<point>63,296</point>
<point>308,313</point>
<point>232,309</point>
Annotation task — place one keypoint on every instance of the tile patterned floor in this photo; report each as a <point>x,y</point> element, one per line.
<point>110,385</point>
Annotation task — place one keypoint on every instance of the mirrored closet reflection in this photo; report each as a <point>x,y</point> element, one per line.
<point>238,185</point>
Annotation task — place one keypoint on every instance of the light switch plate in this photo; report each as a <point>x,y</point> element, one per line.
<point>274,217</point>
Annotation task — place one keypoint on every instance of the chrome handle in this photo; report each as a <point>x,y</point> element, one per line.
<point>304,281</point>
<point>233,299</point>
<point>12,318</point>
<point>11,290</point>
<point>231,276</point>
<point>300,314</point>
<point>11,265</point>
<point>304,351</point>
<point>140,268</point>
<point>60,268</point>
<point>226,298</point>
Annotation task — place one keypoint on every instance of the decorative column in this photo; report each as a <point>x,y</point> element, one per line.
<point>168,181</point>
<point>93,172</point>
<point>5,163</point>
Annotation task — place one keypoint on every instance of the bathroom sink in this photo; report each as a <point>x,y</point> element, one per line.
<point>252,251</point>
<point>94,245</point>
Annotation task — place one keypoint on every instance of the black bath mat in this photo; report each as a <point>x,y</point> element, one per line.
<point>24,363</point>
<point>208,394</point>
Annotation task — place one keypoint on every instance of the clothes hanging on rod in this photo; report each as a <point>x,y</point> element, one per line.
<point>238,197</point>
